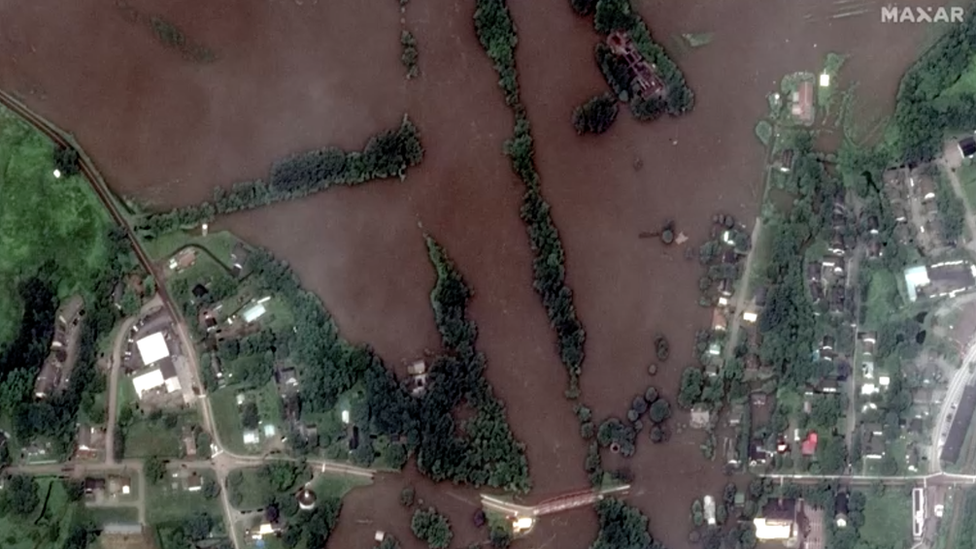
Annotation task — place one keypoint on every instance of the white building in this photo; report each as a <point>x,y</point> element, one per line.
<point>152,348</point>
<point>148,381</point>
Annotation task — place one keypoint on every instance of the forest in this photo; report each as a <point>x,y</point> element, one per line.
<point>497,34</point>
<point>388,154</point>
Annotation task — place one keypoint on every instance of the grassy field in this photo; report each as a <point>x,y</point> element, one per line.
<point>47,526</point>
<point>108,515</point>
<point>55,223</point>
<point>269,404</point>
<point>228,419</point>
<point>335,486</point>
<point>219,244</point>
<point>169,501</point>
<point>967,177</point>
<point>146,438</point>
<point>887,520</point>
<point>883,298</point>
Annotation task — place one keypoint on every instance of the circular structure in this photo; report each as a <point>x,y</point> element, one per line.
<point>615,447</point>
<point>306,499</point>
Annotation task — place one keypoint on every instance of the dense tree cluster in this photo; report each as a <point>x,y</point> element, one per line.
<point>486,452</point>
<point>615,432</point>
<point>19,496</point>
<point>622,527</point>
<point>618,15</point>
<point>66,161</point>
<point>496,31</point>
<point>55,417</point>
<point>787,322</point>
<point>188,532</point>
<point>921,117</point>
<point>386,155</point>
<point>692,381</point>
<point>312,528</point>
<point>596,115</point>
<point>432,528</point>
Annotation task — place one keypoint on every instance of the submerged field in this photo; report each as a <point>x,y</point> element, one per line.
<point>288,77</point>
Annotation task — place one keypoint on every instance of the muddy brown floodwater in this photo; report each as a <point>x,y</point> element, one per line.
<point>296,74</point>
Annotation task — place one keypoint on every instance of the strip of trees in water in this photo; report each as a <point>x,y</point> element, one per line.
<point>622,527</point>
<point>496,31</point>
<point>483,453</point>
<point>618,15</point>
<point>388,154</point>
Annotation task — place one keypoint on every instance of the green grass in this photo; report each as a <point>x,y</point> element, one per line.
<point>883,298</point>
<point>228,419</point>
<point>108,515</point>
<point>57,224</point>
<point>965,85</point>
<point>145,438</point>
<point>887,520</point>
<point>336,486</point>
<point>40,529</point>
<point>256,489</point>
<point>967,178</point>
<point>169,501</point>
<point>219,245</point>
<point>269,404</point>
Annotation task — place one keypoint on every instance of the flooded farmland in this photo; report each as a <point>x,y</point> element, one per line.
<point>289,76</point>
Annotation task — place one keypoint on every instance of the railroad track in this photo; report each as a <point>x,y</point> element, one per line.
<point>97,183</point>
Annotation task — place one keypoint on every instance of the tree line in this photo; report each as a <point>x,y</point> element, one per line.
<point>387,154</point>
<point>619,15</point>
<point>622,527</point>
<point>497,34</point>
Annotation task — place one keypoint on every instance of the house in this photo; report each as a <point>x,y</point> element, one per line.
<point>843,370</point>
<point>189,442</point>
<point>809,445</point>
<point>785,163</point>
<point>644,79</point>
<point>725,287</point>
<point>700,417</point>
<point>760,297</point>
<point>93,485</point>
<point>802,107</point>
<point>759,399</point>
<point>199,291</point>
<point>967,147</point>
<point>873,447</point>
<point>718,321</point>
<point>736,413</point>
<point>868,341</point>
<point>194,483</point>
<point>758,454</point>
<point>840,509</point>
<point>827,386</point>
<point>118,484</point>
<point>949,278</point>
<point>776,521</point>
<point>183,259</point>
<point>838,297</point>
<point>286,378</point>
<point>418,377</point>
<point>251,436</point>
<point>872,429</point>
<point>926,189</point>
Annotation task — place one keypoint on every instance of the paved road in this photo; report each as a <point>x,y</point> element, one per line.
<point>960,379</point>
<point>550,506</point>
<point>743,292</point>
<point>105,196</point>
<point>113,387</point>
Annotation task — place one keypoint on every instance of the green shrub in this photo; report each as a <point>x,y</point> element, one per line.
<point>410,54</point>
<point>432,528</point>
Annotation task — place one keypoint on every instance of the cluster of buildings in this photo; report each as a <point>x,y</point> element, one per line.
<point>55,373</point>
<point>943,279</point>
<point>911,192</point>
<point>152,357</point>
<point>827,277</point>
<point>797,523</point>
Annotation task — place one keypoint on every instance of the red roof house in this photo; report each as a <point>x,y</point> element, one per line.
<point>809,445</point>
<point>803,102</point>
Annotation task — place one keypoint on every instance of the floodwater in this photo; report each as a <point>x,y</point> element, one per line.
<point>296,74</point>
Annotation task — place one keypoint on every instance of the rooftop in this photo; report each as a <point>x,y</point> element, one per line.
<point>152,348</point>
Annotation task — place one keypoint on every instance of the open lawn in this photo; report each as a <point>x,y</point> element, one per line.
<point>108,515</point>
<point>327,485</point>
<point>967,177</point>
<point>169,501</point>
<point>146,437</point>
<point>887,520</point>
<point>269,404</point>
<point>46,223</point>
<point>219,244</point>
<point>883,298</point>
<point>228,419</point>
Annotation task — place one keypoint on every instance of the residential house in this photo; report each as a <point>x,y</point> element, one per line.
<point>967,147</point>
<point>286,378</point>
<point>777,520</point>
<point>802,107</point>
<point>718,321</point>
<point>93,485</point>
<point>809,445</point>
<point>873,447</point>
<point>194,482</point>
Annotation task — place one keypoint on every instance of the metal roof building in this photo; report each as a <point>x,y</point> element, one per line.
<point>960,424</point>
